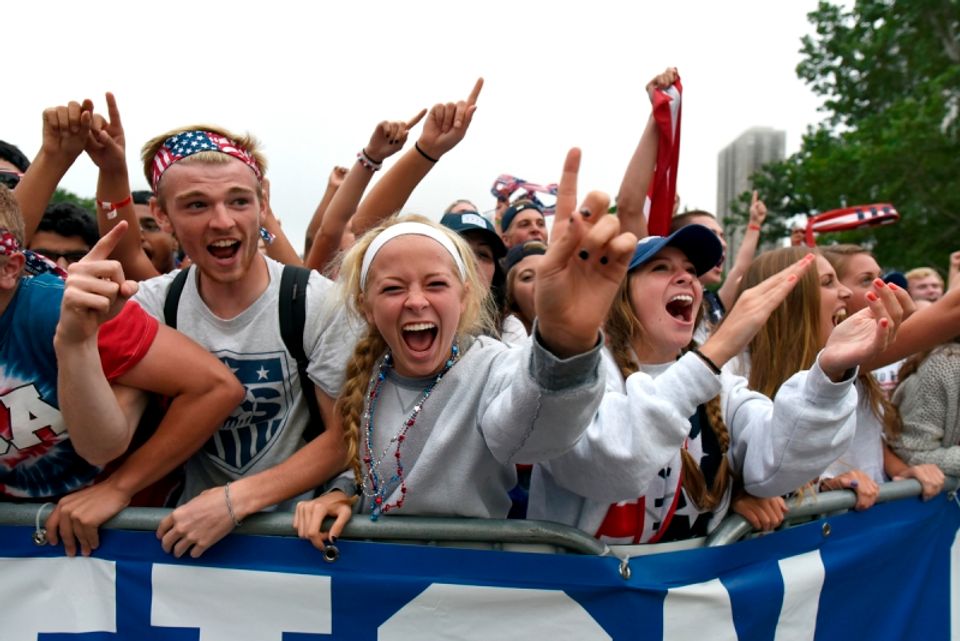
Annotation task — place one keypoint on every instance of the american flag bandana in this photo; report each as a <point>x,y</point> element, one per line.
<point>8,243</point>
<point>188,143</point>
<point>37,264</point>
<point>663,189</point>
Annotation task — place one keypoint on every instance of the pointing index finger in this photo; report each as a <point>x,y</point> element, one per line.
<point>112,110</point>
<point>567,191</point>
<point>475,93</point>
<point>107,243</point>
<point>413,122</point>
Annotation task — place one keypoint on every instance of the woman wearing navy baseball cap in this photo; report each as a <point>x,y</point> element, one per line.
<point>673,430</point>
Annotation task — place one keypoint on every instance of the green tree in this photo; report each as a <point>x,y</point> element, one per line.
<point>63,195</point>
<point>889,73</point>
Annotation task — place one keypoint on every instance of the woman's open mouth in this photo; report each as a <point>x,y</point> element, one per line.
<point>419,337</point>
<point>681,307</point>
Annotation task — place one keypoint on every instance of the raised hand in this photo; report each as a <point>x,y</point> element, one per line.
<point>758,211</point>
<point>65,130</point>
<point>106,145</point>
<point>390,136</point>
<point>751,311</point>
<point>662,80</point>
<point>96,290</point>
<point>447,124</point>
<point>337,174</point>
<point>309,517</point>
<point>866,333</point>
<point>582,269</point>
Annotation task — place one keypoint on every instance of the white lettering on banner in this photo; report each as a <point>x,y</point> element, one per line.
<point>29,414</point>
<point>803,577</point>
<point>479,613</point>
<point>955,588</point>
<point>691,609</point>
<point>240,605</point>
<point>57,595</point>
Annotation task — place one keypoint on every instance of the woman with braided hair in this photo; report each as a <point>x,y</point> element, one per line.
<point>437,415</point>
<point>673,432</point>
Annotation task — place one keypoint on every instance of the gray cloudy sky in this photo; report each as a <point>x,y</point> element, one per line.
<point>311,80</point>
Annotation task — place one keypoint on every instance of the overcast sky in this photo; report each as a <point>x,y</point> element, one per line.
<point>311,80</point>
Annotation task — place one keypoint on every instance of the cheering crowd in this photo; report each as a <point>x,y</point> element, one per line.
<point>178,350</point>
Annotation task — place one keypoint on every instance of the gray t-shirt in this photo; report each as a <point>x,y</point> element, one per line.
<point>267,427</point>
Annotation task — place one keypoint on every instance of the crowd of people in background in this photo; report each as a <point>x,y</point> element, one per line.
<point>175,349</point>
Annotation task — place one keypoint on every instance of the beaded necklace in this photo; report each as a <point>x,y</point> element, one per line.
<point>374,485</point>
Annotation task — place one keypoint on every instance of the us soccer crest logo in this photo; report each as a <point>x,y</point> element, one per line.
<point>253,427</point>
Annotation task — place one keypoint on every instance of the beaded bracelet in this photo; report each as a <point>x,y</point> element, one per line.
<point>233,515</point>
<point>367,162</point>
<point>706,359</point>
<point>110,208</point>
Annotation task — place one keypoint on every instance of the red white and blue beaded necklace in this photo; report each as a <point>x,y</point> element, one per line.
<point>374,485</point>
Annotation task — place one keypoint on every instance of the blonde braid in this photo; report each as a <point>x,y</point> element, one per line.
<point>351,402</point>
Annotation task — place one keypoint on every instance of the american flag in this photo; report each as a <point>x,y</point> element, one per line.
<point>187,143</point>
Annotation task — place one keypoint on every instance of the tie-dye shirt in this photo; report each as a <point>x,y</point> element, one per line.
<point>37,460</point>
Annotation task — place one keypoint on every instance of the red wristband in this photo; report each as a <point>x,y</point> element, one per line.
<point>108,207</point>
<point>753,227</point>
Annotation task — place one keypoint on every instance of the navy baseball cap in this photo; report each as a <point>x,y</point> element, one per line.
<point>516,208</point>
<point>701,246</point>
<point>897,278</point>
<point>521,251</point>
<point>470,221</point>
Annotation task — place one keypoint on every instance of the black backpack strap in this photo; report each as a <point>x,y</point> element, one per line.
<point>172,300</point>
<point>293,318</point>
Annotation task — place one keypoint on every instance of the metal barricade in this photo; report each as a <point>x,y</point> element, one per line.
<point>734,527</point>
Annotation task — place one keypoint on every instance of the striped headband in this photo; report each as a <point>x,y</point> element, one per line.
<point>187,143</point>
<point>408,229</point>
<point>9,244</point>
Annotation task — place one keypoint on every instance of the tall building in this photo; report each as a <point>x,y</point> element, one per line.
<point>754,148</point>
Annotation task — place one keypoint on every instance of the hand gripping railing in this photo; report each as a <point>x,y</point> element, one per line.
<point>734,527</point>
<point>394,528</point>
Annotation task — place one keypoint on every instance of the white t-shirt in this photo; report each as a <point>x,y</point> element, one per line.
<point>267,427</point>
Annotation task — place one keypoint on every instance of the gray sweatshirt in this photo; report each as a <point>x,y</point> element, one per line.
<point>496,407</point>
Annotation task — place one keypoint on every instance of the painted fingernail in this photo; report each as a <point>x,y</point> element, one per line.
<point>604,260</point>
<point>333,539</point>
<point>893,286</point>
<point>584,254</point>
<point>884,323</point>
<point>854,483</point>
<point>585,212</point>
<point>871,296</point>
<point>878,282</point>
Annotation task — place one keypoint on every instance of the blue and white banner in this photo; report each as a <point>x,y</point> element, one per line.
<point>888,573</point>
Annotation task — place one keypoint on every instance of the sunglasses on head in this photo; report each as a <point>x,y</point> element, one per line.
<point>10,179</point>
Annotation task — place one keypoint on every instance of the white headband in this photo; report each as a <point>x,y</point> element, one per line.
<point>407,229</point>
